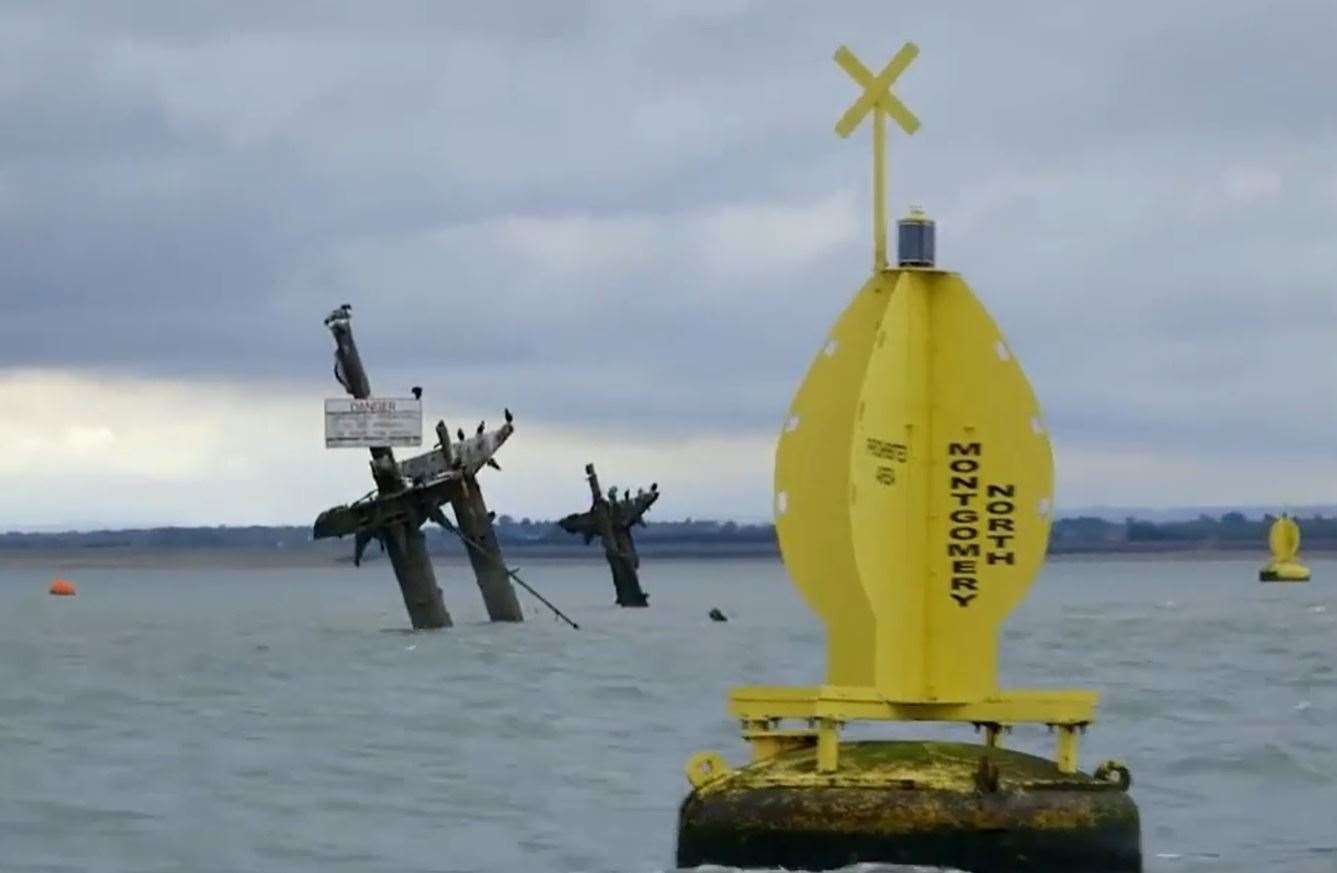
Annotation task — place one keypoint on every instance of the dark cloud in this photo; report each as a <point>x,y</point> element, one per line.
<point>548,204</point>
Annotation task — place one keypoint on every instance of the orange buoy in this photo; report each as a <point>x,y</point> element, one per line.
<point>62,588</point>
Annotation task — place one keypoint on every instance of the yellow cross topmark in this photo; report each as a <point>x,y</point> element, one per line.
<point>877,90</point>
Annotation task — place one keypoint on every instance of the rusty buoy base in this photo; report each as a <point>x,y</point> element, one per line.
<point>924,803</point>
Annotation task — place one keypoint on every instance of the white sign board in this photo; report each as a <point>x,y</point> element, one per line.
<point>424,468</point>
<point>376,422</point>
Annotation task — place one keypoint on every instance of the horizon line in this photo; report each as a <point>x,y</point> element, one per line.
<point>1103,511</point>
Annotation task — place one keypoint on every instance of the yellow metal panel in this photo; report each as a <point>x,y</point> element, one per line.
<point>948,488</point>
<point>888,506</point>
<point>1284,539</point>
<point>812,484</point>
<point>951,478</point>
<point>991,484</point>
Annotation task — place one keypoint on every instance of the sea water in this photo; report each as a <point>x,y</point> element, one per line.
<point>283,720</point>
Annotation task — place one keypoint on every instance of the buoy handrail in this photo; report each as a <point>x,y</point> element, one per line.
<point>1040,706</point>
<point>761,709</point>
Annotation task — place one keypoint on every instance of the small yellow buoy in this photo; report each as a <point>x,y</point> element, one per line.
<point>1284,542</point>
<point>62,588</point>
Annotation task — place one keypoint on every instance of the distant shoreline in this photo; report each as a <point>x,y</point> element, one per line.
<point>332,555</point>
<point>336,555</point>
<point>1230,536</point>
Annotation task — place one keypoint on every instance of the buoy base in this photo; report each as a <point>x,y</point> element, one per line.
<point>924,803</point>
<point>1284,571</point>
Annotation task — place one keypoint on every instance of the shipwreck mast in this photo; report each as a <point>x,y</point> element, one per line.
<point>611,520</point>
<point>412,492</point>
<point>402,537</point>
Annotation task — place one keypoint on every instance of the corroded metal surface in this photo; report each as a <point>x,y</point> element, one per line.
<point>926,763</point>
<point>946,804</point>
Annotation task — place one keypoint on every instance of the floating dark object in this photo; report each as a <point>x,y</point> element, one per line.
<point>717,615</point>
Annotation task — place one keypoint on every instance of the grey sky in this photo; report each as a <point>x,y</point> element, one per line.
<point>632,223</point>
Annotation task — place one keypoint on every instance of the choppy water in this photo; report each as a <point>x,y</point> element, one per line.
<point>275,721</point>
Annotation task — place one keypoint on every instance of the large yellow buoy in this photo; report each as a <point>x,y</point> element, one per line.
<point>62,588</point>
<point>913,485</point>
<point>1284,542</point>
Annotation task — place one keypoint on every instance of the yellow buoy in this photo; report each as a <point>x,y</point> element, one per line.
<point>62,588</point>
<point>1284,542</point>
<point>913,490</point>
